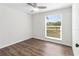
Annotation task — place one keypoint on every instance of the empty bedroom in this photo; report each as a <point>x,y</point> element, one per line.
<point>36,29</point>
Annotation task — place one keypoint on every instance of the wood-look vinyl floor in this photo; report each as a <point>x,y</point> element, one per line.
<point>36,47</point>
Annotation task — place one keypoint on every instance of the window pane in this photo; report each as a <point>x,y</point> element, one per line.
<point>57,23</point>
<point>53,33</point>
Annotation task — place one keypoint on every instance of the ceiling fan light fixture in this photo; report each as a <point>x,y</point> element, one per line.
<point>36,9</point>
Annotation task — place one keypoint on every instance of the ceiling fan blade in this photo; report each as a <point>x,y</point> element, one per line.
<point>41,7</point>
<point>32,4</point>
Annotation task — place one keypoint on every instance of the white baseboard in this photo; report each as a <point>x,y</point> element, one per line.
<point>33,37</point>
<point>27,38</point>
<point>54,41</point>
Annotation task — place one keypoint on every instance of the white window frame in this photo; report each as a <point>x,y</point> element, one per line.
<point>46,29</point>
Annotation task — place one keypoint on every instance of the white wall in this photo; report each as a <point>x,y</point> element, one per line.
<point>15,26</point>
<point>39,23</point>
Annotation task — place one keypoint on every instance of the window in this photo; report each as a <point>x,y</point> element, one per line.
<point>53,27</point>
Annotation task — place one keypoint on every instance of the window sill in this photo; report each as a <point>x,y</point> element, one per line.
<point>53,38</point>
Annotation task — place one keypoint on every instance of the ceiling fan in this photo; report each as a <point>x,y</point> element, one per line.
<point>34,5</point>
